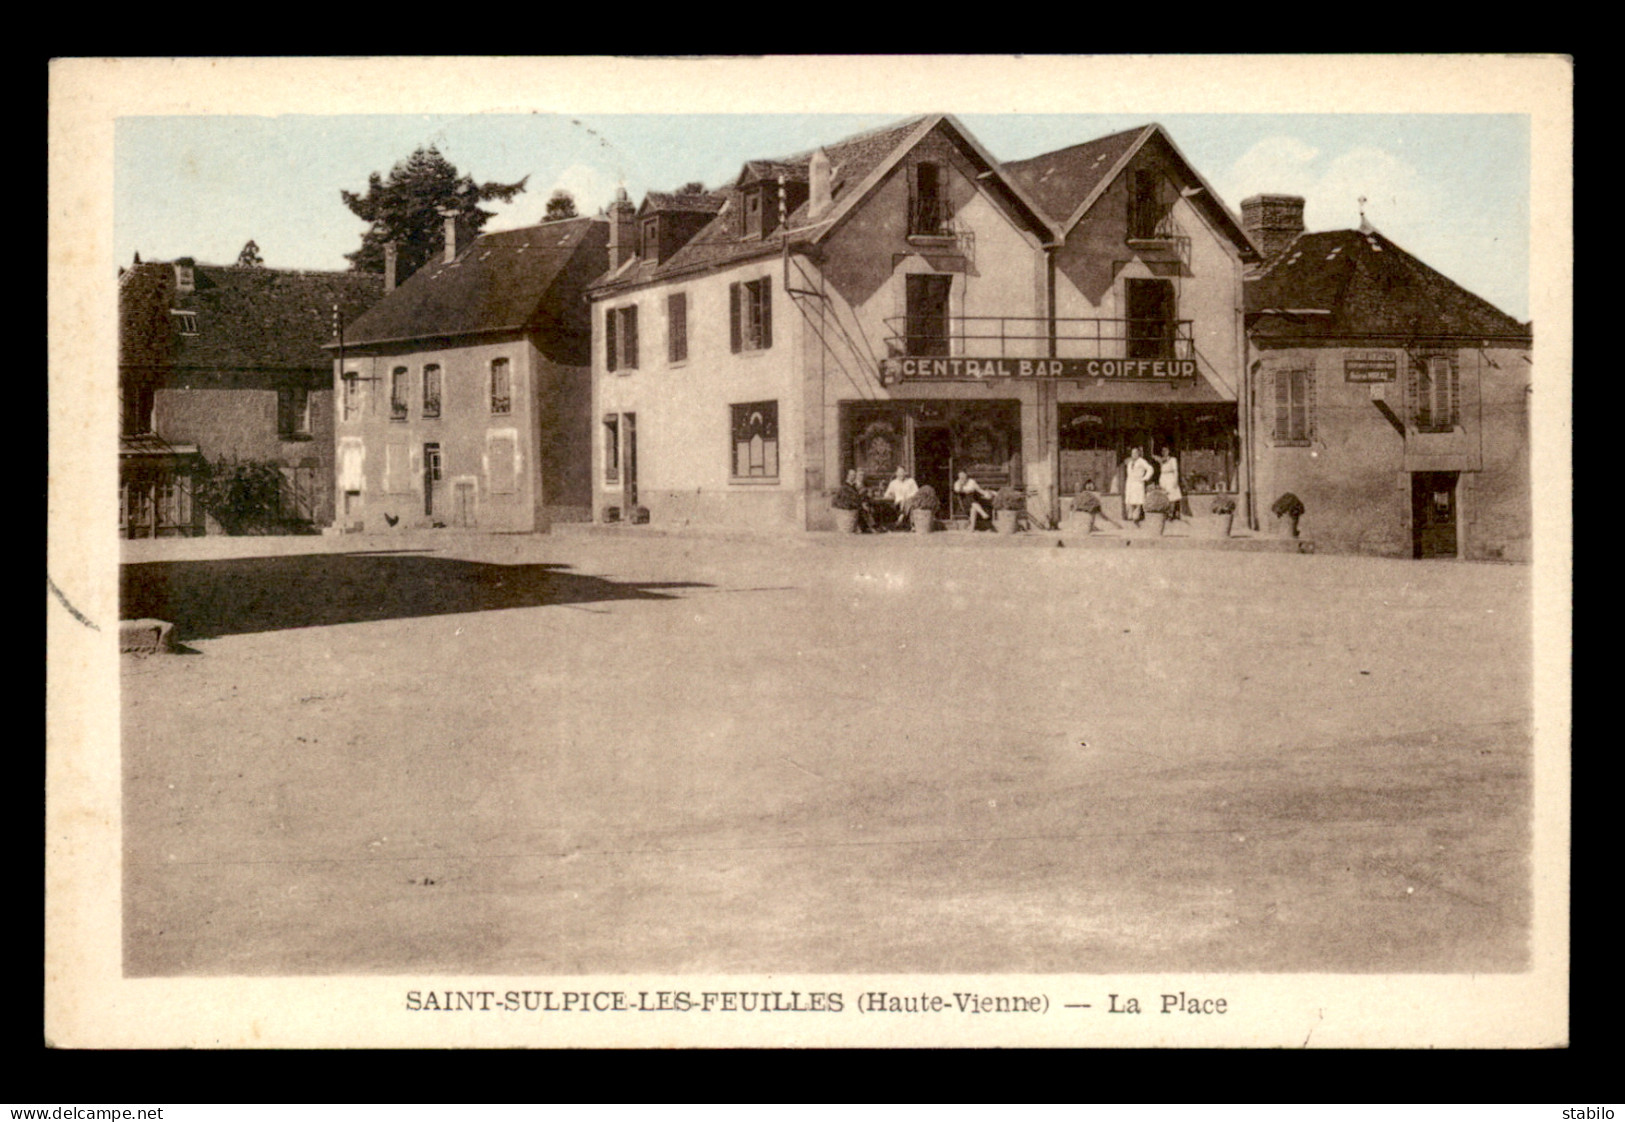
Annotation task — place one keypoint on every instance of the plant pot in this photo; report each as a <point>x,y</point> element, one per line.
<point>846,521</point>
<point>1220,526</point>
<point>924,521</point>
<point>1155,522</point>
<point>1004,521</point>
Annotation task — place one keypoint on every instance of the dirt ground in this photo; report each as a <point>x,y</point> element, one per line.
<point>596,753</point>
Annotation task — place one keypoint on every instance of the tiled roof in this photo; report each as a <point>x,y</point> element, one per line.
<point>246,318</point>
<point>1060,181</point>
<point>1370,287</point>
<point>721,241</point>
<point>656,201</point>
<point>509,280</point>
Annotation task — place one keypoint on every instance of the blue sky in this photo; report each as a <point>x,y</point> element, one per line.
<point>1452,189</point>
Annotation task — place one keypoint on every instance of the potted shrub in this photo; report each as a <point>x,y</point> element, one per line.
<point>1287,509</point>
<point>1156,508</point>
<point>1007,507</point>
<point>922,509</point>
<point>846,503</point>
<point>1224,508</point>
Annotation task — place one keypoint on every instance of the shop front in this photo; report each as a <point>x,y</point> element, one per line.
<point>934,440</point>
<point>1095,441</point>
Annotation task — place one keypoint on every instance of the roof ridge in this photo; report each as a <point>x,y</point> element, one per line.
<point>854,137</point>
<point>1081,144</point>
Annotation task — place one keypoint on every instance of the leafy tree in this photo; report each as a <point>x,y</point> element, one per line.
<point>250,256</point>
<point>406,209</point>
<point>692,187</point>
<point>562,204</point>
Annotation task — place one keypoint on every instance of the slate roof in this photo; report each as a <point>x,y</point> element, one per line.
<point>1060,181</point>
<point>247,318</point>
<point>1370,287</point>
<point>658,201</point>
<point>510,280</point>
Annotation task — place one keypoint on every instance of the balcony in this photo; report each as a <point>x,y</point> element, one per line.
<point>1029,337</point>
<point>930,217</point>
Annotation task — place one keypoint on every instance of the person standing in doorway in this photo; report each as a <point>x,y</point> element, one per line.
<point>1139,473</point>
<point>1168,480</point>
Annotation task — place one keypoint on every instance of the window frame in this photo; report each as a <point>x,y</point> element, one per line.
<point>293,419</point>
<point>501,404</point>
<point>740,417</point>
<point>621,339</point>
<point>612,448</point>
<point>918,283</point>
<point>750,315</point>
<point>433,462</point>
<point>432,402</point>
<point>400,392</point>
<point>936,223</point>
<point>1435,389</point>
<point>1293,423</point>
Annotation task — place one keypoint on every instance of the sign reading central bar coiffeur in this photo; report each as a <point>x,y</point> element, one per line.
<point>959,369</point>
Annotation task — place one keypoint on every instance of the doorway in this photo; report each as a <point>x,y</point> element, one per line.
<point>934,461</point>
<point>1433,514</point>
<point>629,463</point>
<point>431,477</point>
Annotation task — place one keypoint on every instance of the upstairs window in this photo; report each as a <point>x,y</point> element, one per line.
<point>750,315</point>
<point>621,338</point>
<point>1147,211</point>
<point>756,440</point>
<point>398,379</point>
<point>352,394</point>
<point>501,387</point>
<point>1435,393</point>
<point>431,391</point>
<point>293,412</point>
<point>1294,406</point>
<point>138,400</point>
<point>928,202</point>
<point>1150,326</point>
<point>927,314</point>
<point>185,322</point>
<point>677,327</point>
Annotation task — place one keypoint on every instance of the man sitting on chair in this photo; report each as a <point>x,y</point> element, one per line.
<point>900,490</point>
<point>973,492</point>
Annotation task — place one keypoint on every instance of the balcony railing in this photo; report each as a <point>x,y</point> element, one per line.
<point>930,217</point>
<point>1029,337</point>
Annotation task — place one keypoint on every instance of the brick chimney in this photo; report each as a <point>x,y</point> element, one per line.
<point>1272,221</point>
<point>623,229</point>
<point>819,198</point>
<point>390,255</point>
<point>451,215</point>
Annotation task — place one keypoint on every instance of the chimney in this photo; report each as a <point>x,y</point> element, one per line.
<point>390,254</point>
<point>818,172</point>
<point>450,215</point>
<point>1272,221</point>
<point>185,279</point>
<point>623,230</point>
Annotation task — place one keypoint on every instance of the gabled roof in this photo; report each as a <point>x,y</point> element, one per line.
<point>659,202</point>
<point>1069,181</point>
<point>857,165</point>
<point>512,280</point>
<point>247,318</point>
<point>1351,283</point>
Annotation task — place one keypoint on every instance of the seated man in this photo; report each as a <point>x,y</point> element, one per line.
<point>899,491</point>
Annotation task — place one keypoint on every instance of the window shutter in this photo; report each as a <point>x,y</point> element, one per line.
<point>767,311</point>
<point>609,340</point>
<point>1309,403</point>
<point>733,317</point>
<point>630,343</point>
<point>1413,390</point>
<point>1453,416</point>
<point>1283,405</point>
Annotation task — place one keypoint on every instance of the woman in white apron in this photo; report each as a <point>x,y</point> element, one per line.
<point>1138,475</point>
<point>1168,480</point>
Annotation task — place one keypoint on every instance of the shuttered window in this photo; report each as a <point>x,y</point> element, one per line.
<point>750,315</point>
<point>677,327</point>
<point>1294,406</point>
<point>1435,392</point>
<point>621,339</point>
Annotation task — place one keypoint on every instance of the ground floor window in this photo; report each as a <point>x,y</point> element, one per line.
<point>1095,442</point>
<point>756,440</point>
<point>157,505</point>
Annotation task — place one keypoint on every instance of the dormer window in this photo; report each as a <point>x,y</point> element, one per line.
<point>754,207</point>
<point>651,240</point>
<point>185,322</point>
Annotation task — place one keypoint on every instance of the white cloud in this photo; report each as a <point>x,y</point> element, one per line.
<point>591,188</point>
<point>1397,196</point>
<point>1276,165</point>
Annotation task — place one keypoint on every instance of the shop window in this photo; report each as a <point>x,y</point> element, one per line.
<point>612,448</point>
<point>927,314</point>
<point>1150,328</point>
<point>1294,406</point>
<point>677,327</point>
<point>1435,393</point>
<point>750,315</point>
<point>756,440</point>
<point>501,386</point>
<point>397,393</point>
<point>1148,212</point>
<point>431,391</point>
<point>928,203</point>
<point>293,411</point>
<point>621,338</point>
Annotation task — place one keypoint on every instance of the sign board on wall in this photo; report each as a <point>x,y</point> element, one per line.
<point>968,369</point>
<point>1371,366</point>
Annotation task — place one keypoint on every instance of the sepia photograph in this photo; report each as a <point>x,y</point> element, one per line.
<point>1018,561</point>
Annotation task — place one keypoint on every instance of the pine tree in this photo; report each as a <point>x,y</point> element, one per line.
<point>406,209</point>
<point>250,256</point>
<point>562,204</point>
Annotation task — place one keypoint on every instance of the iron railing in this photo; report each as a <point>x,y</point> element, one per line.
<point>1030,337</point>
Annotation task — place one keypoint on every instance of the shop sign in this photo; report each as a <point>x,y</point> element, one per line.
<point>1370,366</point>
<point>966,369</point>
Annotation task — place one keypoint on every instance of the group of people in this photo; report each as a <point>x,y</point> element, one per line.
<point>1141,474</point>
<point>886,511</point>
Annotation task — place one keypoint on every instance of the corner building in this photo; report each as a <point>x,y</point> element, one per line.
<point>901,298</point>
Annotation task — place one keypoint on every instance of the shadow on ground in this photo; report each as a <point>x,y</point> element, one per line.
<point>208,599</point>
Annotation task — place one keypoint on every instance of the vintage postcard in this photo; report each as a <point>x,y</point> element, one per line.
<point>795,552</point>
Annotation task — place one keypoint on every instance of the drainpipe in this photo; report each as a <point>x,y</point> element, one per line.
<point>1052,394</point>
